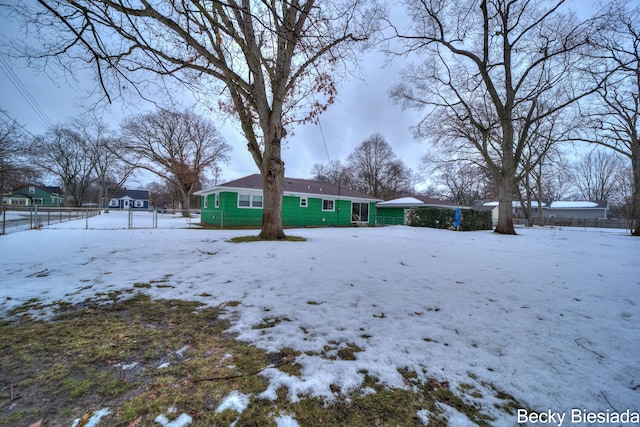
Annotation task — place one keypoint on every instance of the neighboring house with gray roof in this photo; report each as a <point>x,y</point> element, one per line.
<point>305,203</point>
<point>128,199</point>
<point>559,210</point>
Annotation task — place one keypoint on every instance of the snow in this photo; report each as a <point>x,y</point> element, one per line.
<point>235,401</point>
<point>285,420</point>
<point>573,204</point>
<point>95,418</point>
<point>403,201</point>
<point>455,417</point>
<point>549,316</point>
<point>182,421</point>
<point>423,416</point>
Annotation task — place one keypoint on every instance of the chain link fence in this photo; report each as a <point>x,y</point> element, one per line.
<point>14,219</point>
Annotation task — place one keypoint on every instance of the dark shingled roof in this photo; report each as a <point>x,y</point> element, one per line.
<point>298,186</point>
<point>134,194</point>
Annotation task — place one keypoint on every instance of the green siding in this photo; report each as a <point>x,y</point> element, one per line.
<point>228,214</point>
<point>390,216</point>
<point>23,197</point>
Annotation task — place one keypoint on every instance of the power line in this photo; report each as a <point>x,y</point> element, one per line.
<point>16,122</point>
<point>326,150</point>
<point>24,91</point>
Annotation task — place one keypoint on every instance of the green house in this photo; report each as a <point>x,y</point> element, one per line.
<point>34,195</point>
<point>305,204</point>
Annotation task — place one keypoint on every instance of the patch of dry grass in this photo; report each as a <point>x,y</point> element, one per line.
<point>139,357</point>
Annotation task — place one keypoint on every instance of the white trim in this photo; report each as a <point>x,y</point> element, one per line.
<point>306,202</point>
<point>252,201</point>
<point>205,202</point>
<point>216,200</point>
<point>332,196</point>
<point>242,190</point>
<point>333,205</point>
<point>360,220</point>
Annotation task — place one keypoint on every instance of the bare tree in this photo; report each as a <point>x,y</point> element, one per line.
<point>377,170</point>
<point>596,175</point>
<point>13,150</point>
<point>492,70</point>
<point>466,183</point>
<point>335,172</point>
<point>548,179</point>
<point>541,155</point>
<point>176,146</point>
<point>273,61</point>
<point>60,152</point>
<point>613,116</point>
<point>103,147</point>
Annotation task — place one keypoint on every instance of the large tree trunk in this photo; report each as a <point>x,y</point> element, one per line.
<point>186,204</point>
<point>505,206</point>
<point>505,180</point>
<point>272,182</point>
<point>634,220</point>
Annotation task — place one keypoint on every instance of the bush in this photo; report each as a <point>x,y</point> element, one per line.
<point>444,218</point>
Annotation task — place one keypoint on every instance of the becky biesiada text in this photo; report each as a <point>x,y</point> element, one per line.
<point>579,416</point>
<point>623,417</point>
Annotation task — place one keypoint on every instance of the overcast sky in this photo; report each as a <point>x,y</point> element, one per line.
<point>363,107</point>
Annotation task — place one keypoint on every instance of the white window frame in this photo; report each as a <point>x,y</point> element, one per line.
<point>205,201</point>
<point>255,201</point>
<point>32,189</point>
<point>114,203</point>
<point>304,202</point>
<point>359,219</point>
<point>333,205</point>
<point>216,200</point>
<point>139,204</point>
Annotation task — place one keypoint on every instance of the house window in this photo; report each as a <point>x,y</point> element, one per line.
<point>113,202</point>
<point>139,204</point>
<point>303,202</point>
<point>32,189</point>
<point>244,200</point>
<point>249,201</point>
<point>217,200</point>
<point>327,205</point>
<point>205,202</point>
<point>360,212</point>
<point>37,201</point>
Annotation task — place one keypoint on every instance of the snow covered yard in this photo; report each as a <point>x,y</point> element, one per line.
<point>549,317</point>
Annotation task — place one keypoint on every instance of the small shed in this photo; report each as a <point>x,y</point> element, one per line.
<point>394,212</point>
